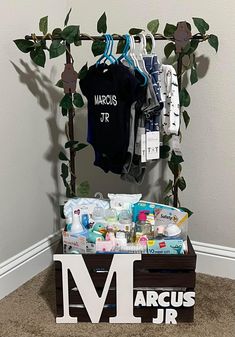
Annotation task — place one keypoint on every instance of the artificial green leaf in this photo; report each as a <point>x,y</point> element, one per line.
<point>64,112</point>
<point>83,189</point>
<point>176,159</point>
<point>153,26</point>
<point>194,61</point>
<point>67,17</point>
<point>66,102</point>
<point>62,212</point>
<point>169,49</point>
<point>102,24</point>
<point>213,41</point>
<point>169,30</point>
<point>193,76</point>
<point>166,139</point>
<point>120,46</point>
<point>43,44</point>
<point>134,31</point>
<point>77,39</point>
<point>83,72</point>
<point>193,45</point>
<point>70,143</point>
<point>187,48</point>
<point>80,146</point>
<point>24,45</point>
<point>98,47</point>
<point>164,151</point>
<point>57,48</point>
<point>59,84</point>
<point>70,33</point>
<point>169,187</point>
<point>43,25</point>
<point>62,156</point>
<point>149,45</point>
<point>201,25</point>
<point>174,167</point>
<point>78,100</point>
<point>69,193</point>
<point>38,56</point>
<point>174,59</point>
<point>64,171</point>
<point>184,98</point>
<point>56,33</point>
<point>167,199</point>
<point>186,118</point>
<point>181,183</point>
<point>184,209</point>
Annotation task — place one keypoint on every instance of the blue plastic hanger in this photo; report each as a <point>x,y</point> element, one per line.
<point>125,54</point>
<point>107,55</point>
<point>135,60</point>
<point>110,52</point>
<point>132,61</point>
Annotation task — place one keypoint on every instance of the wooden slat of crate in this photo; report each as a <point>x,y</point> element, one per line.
<point>169,262</point>
<point>141,279</point>
<point>146,313</point>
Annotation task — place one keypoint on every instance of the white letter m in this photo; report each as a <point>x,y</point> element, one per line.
<point>123,266</point>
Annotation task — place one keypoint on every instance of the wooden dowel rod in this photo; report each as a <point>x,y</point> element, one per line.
<point>116,37</point>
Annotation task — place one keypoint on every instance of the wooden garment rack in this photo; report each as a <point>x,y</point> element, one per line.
<point>71,112</point>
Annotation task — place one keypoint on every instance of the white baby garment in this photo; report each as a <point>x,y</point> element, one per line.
<point>170,98</point>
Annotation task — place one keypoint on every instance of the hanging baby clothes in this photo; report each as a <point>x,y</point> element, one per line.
<point>145,107</point>
<point>170,98</point>
<point>110,91</point>
<point>152,66</point>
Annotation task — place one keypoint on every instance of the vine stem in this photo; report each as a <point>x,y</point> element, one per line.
<point>71,114</point>
<point>176,174</point>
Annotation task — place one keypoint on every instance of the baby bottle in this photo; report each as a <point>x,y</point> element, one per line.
<point>111,217</point>
<point>125,220</point>
<point>143,226</point>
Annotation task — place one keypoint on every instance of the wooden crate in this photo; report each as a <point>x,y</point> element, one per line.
<point>153,272</point>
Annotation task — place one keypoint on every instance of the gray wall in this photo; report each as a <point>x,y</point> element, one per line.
<point>32,127</point>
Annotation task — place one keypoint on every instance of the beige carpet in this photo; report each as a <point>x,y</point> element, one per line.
<point>29,312</point>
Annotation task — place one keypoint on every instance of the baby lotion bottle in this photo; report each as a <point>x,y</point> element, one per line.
<point>76,225</point>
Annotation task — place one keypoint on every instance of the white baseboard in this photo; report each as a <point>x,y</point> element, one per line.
<point>215,260</point>
<point>211,259</point>
<point>22,267</point>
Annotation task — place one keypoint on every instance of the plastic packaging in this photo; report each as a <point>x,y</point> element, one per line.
<point>122,202</point>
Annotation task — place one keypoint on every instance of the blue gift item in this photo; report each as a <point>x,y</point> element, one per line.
<point>165,247</point>
<point>86,207</point>
<point>85,221</point>
<point>98,231</point>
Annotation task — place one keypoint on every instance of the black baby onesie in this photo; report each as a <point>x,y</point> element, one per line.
<point>110,91</point>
